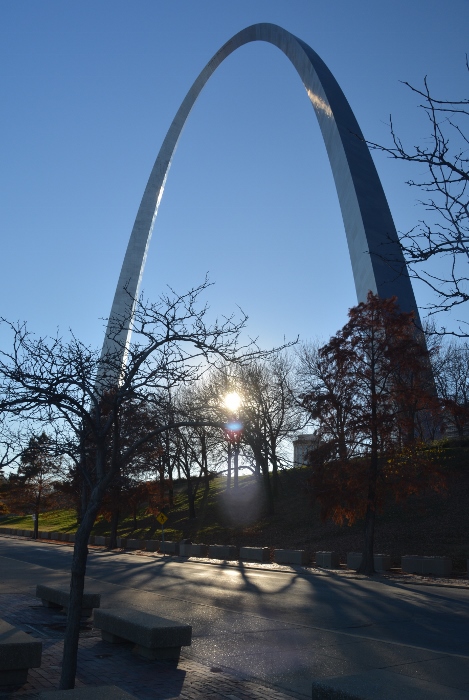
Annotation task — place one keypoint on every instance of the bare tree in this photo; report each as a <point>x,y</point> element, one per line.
<point>52,381</point>
<point>451,370</point>
<point>326,392</point>
<point>443,236</point>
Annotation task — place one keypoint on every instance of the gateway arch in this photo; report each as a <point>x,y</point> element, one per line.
<point>370,230</point>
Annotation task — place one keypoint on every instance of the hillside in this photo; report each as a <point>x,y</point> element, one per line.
<point>427,524</point>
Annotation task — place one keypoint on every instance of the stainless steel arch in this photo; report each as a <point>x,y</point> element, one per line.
<point>369,227</point>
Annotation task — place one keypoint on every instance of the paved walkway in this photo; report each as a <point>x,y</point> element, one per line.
<point>101,663</point>
<point>428,676</point>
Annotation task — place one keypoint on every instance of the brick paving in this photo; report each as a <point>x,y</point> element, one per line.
<point>101,663</point>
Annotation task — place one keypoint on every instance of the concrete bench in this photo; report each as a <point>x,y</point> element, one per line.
<point>154,637</point>
<point>327,560</point>
<point>97,692</point>
<point>382,562</point>
<point>261,554</point>
<point>60,598</point>
<point>290,556</point>
<point>220,551</point>
<point>18,653</point>
<point>193,550</point>
<point>135,544</point>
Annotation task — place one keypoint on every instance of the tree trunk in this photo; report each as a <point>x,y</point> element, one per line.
<point>36,525</point>
<point>190,498</point>
<point>258,468</point>
<point>275,488</point>
<point>83,500</point>
<point>367,566</point>
<point>114,525</point>
<point>170,486</point>
<point>267,486</point>
<point>161,470</point>
<point>169,467</point>
<point>235,466</point>
<point>77,584</point>
<point>228,478</point>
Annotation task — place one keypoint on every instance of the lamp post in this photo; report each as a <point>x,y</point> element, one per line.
<point>232,402</point>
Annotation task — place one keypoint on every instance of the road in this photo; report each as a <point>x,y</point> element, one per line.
<point>286,628</point>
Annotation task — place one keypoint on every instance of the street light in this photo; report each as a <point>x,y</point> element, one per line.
<point>233,427</point>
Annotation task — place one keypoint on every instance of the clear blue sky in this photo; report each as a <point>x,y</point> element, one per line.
<point>88,90</point>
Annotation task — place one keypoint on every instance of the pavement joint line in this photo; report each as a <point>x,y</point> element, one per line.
<point>261,617</point>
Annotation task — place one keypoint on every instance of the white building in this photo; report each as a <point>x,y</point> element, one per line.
<point>301,445</point>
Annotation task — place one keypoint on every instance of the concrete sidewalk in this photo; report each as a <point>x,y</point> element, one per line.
<point>101,663</point>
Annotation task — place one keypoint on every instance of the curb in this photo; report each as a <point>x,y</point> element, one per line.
<point>279,569</point>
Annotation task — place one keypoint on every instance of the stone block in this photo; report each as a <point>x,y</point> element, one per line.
<point>220,551</point>
<point>135,544</point>
<point>354,559</point>
<point>168,547</point>
<point>261,554</point>
<point>60,598</point>
<point>97,692</point>
<point>54,535</point>
<point>154,637</point>
<point>18,653</point>
<point>121,542</point>
<point>184,549</point>
<point>152,545</point>
<point>101,541</point>
<point>71,537</point>
<point>193,550</point>
<point>327,560</point>
<point>290,556</point>
<point>411,564</point>
<point>43,535</point>
<point>382,562</point>
<point>437,566</point>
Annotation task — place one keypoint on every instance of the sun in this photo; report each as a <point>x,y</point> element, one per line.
<point>232,401</point>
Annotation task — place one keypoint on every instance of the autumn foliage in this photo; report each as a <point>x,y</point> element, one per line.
<point>374,401</point>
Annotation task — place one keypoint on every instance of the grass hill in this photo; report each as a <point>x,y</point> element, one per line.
<point>427,524</point>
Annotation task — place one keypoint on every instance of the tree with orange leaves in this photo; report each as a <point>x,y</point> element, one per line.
<point>372,398</point>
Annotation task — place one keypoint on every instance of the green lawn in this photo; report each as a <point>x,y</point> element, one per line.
<point>56,521</point>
